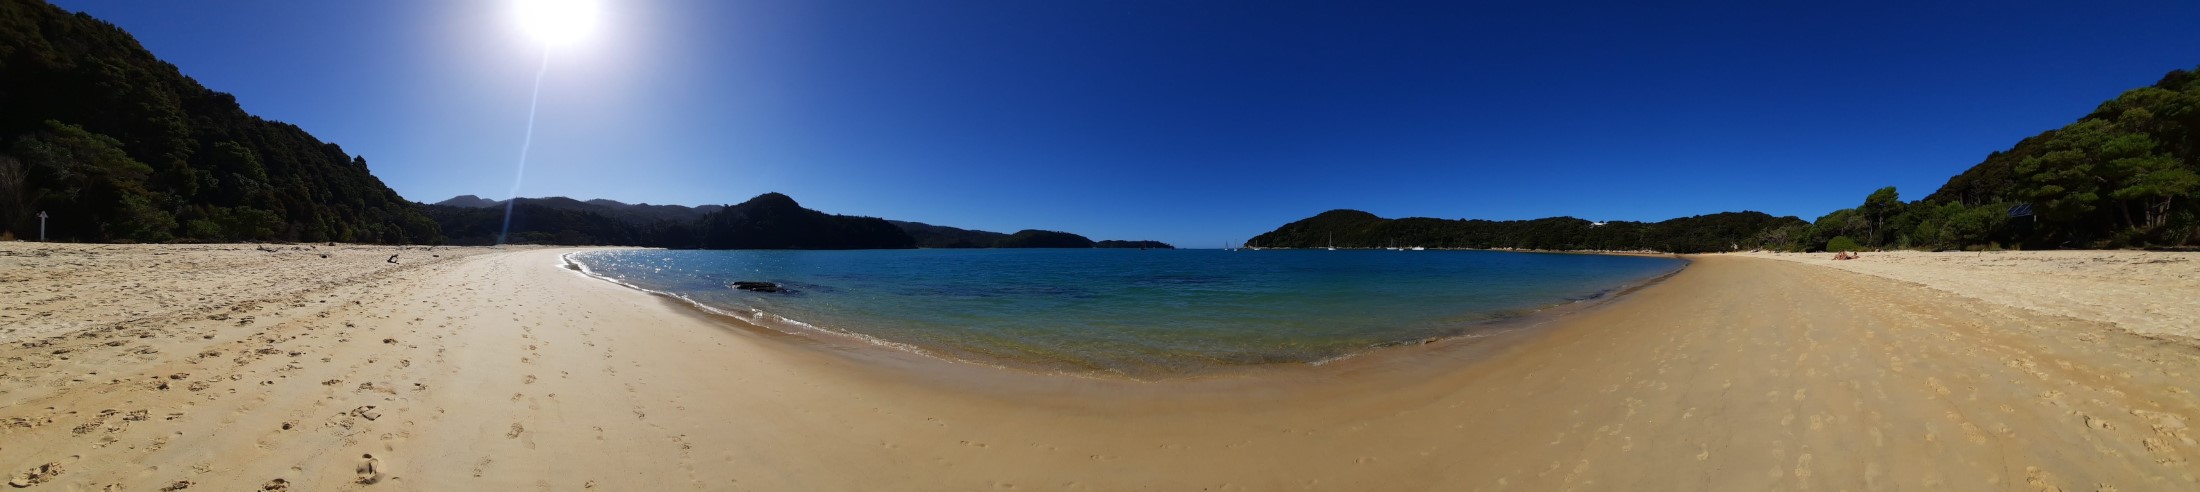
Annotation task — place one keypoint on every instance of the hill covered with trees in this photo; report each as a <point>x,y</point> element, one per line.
<point>1357,229</point>
<point>935,236</point>
<point>1034,238</point>
<point>534,223</point>
<point>1111,243</point>
<point>768,221</point>
<point>117,145</point>
<point>2125,175</point>
<point>775,221</point>
<point>634,212</point>
<point>938,236</point>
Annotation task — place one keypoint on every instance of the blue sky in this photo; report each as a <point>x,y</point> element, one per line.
<point>1195,122</point>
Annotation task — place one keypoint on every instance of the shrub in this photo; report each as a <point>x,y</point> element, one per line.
<point>1843,243</point>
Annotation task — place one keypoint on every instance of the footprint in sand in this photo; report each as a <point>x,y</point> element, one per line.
<point>370,469</point>
<point>515,432</point>
<point>36,475</point>
<point>2039,479</point>
<point>2163,452</point>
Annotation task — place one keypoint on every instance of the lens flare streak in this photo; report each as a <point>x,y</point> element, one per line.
<point>533,103</point>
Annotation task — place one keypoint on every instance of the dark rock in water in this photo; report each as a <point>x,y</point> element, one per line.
<point>759,287</point>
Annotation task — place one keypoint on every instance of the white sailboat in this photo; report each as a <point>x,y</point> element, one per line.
<point>1332,242</point>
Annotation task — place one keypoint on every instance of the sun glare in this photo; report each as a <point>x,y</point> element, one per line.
<point>557,22</point>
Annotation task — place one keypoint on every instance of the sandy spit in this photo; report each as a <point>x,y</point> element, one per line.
<point>230,368</point>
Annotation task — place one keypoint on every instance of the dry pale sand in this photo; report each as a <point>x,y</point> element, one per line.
<point>2147,292</point>
<point>491,370</point>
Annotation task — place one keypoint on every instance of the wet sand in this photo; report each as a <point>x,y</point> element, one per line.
<point>145,367</point>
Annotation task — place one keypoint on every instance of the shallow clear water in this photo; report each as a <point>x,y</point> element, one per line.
<point>1131,311</point>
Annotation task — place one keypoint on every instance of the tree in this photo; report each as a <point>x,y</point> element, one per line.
<point>91,181</point>
<point>1877,207</point>
<point>1974,225</point>
<point>12,176</point>
<point>2142,175</point>
<point>1782,238</point>
<point>1843,243</point>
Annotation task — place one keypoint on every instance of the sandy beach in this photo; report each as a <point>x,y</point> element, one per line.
<point>225,367</point>
<point>2151,293</point>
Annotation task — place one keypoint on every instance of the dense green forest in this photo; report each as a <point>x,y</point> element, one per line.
<point>936,236</point>
<point>1034,238</point>
<point>638,212</point>
<point>1112,243</point>
<point>1356,229</point>
<point>768,221</point>
<point>534,223</point>
<point>775,221</point>
<point>2125,175</point>
<point>116,145</point>
<point>474,221</point>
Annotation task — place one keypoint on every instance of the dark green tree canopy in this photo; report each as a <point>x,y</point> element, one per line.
<point>117,145</point>
<point>2124,175</point>
<point>1355,229</point>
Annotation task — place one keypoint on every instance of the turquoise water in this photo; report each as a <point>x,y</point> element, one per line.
<point>1132,312</point>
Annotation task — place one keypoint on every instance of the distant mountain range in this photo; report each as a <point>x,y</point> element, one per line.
<point>936,236</point>
<point>1355,229</point>
<point>768,221</point>
<point>638,212</point>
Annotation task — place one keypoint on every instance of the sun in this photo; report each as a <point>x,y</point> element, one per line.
<point>557,22</point>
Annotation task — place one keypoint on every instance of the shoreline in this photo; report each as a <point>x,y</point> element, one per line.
<point>1502,326</point>
<point>147,366</point>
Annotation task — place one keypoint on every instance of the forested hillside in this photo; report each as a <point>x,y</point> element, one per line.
<point>1120,244</point>
<point>936,236</point>
<point>775,221</point>
<point>768,221</point>
<point>1034,238</point>
<point>2125,175</point>
<point>116,145</point>
<point>534,223</point>
<point>1356,229</point>
<point>630,212</point>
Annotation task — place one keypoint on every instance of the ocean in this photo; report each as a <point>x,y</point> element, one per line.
<point>1140,313</point>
